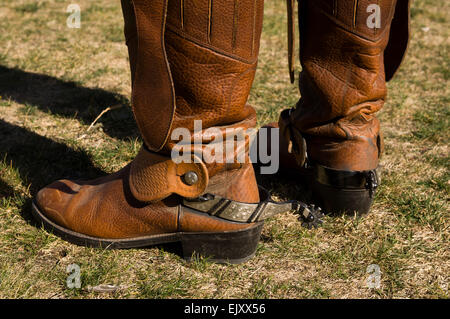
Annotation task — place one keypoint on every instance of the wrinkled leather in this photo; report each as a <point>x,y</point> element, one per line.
<point>342,83</point>
<point>189,61</point>
<point>216,163</point>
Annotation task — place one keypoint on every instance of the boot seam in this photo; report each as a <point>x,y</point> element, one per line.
<point>344,27</point>
<point>212,48</point>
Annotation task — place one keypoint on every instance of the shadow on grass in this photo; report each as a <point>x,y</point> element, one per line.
<point>40,161</point>
<point>285,185</point>
<point>68,99</point>
<point>5,189</point>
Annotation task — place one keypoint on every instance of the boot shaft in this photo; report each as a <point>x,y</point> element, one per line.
<point>343,81</point>
<point>211,50</point>
<point>195,61</point>
<point>342,51</point>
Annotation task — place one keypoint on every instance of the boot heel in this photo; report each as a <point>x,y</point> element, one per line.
<point>339,191</point>
<point>232,247</point>
<point>342,201</point>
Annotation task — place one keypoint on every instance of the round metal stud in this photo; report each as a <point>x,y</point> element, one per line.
<point>190,178</point>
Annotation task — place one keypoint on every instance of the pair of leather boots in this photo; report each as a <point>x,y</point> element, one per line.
<point>194,62</point>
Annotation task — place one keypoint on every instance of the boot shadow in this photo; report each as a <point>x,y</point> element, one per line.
<point>5,189</point>
<point>286,185</point>
<point>40,161</point>
<point>68,99</point>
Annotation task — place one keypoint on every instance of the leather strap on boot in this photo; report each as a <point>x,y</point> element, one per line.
<point>154,177</point>
<point>398,39</point>
<point>291,38</point>
<point>295,139</point>
<point>347,179</point>
<point>220,207</point>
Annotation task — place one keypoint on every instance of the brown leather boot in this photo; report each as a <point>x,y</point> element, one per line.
<point>189,61</point>
<point>347,53</point>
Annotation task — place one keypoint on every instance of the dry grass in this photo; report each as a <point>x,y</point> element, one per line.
<point>54,81</point>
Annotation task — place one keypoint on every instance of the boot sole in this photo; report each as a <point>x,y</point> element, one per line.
<point>229,247</point>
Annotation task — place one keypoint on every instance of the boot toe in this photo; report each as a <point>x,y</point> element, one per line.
<point>54,199</point>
